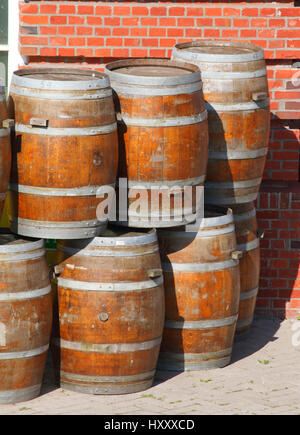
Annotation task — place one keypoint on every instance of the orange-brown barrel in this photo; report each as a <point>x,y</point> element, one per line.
<point>236,93</point>
<point>163,140</point>
<point>247,235</point>
<point>111,312</point>
<point>65,148</point>
<point>202,290</point>
<point>25,317</point>
<point>5,148</point>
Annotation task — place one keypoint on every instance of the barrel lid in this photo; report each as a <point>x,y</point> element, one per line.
<point>160,72</point>
<point>10,243</point>
<point>64,79</point>
<point>217,51</point>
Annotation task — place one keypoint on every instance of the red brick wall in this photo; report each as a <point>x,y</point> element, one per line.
<point>92,33</point>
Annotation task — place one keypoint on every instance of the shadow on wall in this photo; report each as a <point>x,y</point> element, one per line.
<point>278,209</point>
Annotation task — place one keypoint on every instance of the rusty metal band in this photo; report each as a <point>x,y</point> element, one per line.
<point>107,348</point>
<point>157,90</point>
<point>249,294</point>
<point>20,395</point>
<point>200,233</point>
<point>23,256</point>
<point>201,324</point>
<point>232,75</point>
<point>200,267</point>
<point>165,184</point>
<point>237,155</point>
<point>22,247</point>
<point>55,191</point>
<point>4,132</point>
<point>249,246</point>
<point>30,294</point>
<point>232,184</point>
<point>162,122</point>
<point>244,106</point>
<point>74,131</point>
<point>25,353</point>
<point>244,322</point>
<point>111,253</point>
<point>110,286</point>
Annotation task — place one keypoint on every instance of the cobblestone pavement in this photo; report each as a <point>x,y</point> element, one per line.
<point>262,378</point>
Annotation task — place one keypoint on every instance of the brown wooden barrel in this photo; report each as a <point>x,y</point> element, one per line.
<point>111,312</point>
<point>163,140</point>
<point>236,93</point>
<point>5,149</point>
<point>25,317</point>
<point>202,291</point>
<point>248,237</point>
<point>65,148</point>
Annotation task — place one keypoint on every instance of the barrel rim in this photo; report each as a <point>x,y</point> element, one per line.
<point>256,52</point>
<point>28,245</point>
<point>143,238</point>
<point>100,82</point>
<point>194,76</point>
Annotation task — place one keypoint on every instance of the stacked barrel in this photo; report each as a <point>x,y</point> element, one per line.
<point>236,93</point>
<point>113,167</point>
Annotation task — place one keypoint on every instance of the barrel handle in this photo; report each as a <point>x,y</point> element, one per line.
<point>259,96</point>
<point>155,273</point>
<point>8,123</point>
<point>236,255</point>
<point>260,234</point>
<point>38,122</point>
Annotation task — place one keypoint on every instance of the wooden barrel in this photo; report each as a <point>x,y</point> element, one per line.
<point>202,290</point>
<point>236,93</point>
<point>163,137</point>
<point>65,118</point>
<point>111,312</point>
<point>25,317</point>
<point>248,236</point>
<point>5,149</point>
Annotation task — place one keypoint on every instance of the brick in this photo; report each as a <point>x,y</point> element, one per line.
<point>240,22</point>
<point>268,12</point>
<point>76,41</point>
<point>48,9</point>
<point>289,12</point>
<point>168,22</point>
<point>33,40</point>
<point>277,22</point>
<point>248,33</point>
<point>66,52</point>
<point>85,52</point>
<point>120,31</point>
<point>132,42</point>
<point>57,40</point>
<point>122,10</point>
<point>66,30</point>
<point>103,10</point>
<point>120,52</point>
<point>149,21</point>
<point>193,33</point>
<point>34,19</point>
<point>194,12</point>
<point>140,10</point>
<point>134,21</point>
<point>96,42</point>
<point>67,9</point>
<point>29,8</point>
<point>76,19</point>
<point>213,12</point>
<point>103,52</point>
<point>158,11</point>
<point>167,42</point>
<point>48,51</point>
<point>139,52</point>
<point>176,11</point>
<point>157,31</point>
<point>185,22</point>
<point>207,22</point>
<point>28,30</point>
<point>230,33</point>
<point>211,33</point>
<point>58,19</point>
<point>112,21</point>
<point>176,32</point>
<point>250,12</point>
<point>92,21</point>
<point>84,30</point>
<point>157,53</point>
<point>102,31</point>
<point>223,22</point>
<point>259,22</point>
<point>139,31</point>
<point>231,12</point>
<point>150,42</point>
